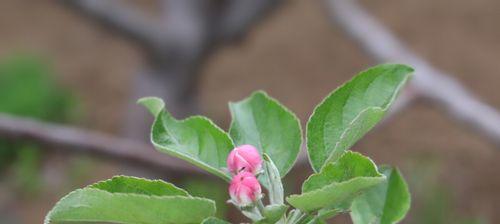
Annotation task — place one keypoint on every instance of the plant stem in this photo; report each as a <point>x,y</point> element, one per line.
<point>252,213</point>
<point>260,206</point>
<point>295,217</point>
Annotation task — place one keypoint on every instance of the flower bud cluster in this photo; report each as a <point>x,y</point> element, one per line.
<point>244,162</point>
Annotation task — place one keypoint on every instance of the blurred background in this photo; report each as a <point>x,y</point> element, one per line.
<point>71,71</point>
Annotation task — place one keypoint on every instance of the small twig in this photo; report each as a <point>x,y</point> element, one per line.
<point>428,82</point>
<point>90,142</point>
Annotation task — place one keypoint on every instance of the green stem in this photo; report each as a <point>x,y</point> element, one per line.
<point>252,213</point>
<point>295,217</point>
<point>260,206</point>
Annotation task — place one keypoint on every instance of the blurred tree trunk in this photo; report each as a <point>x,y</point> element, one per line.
<point>175,46</point>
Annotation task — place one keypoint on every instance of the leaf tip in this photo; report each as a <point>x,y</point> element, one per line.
<point>153,104</point>
<point>266,157</point>
<point>260,92</point>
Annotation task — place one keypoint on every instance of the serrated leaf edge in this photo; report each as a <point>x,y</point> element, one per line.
<point>344,154</point>
<point>47,219</point>
<point>331,185</point>
<point>137,178</point>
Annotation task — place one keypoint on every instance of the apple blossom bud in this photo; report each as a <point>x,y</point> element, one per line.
<point>244,189</point>
<point>244,158</point>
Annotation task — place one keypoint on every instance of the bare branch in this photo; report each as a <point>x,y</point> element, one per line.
<point>84,141</point>
<point>239,15</point>
<point>429,82</point>
<point>120,18</point>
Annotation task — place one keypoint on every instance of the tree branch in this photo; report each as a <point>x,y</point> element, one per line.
<point>239,15</point>
<point>84,141</point>
<point>120,18</point>
<point>428,82</point>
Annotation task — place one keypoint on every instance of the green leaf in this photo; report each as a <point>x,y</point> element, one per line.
<point>273,213</point>
<point>263,122</point>
<point>213,220</point>
<point>333,193</point>
<point>350,111</point>
<point>196,139</point>
<point>324,214</point>
<point>154,104</point>
<point>271,180</point>
<point>351,165</point>
<point>213,189</point>
<point>337,184</point>
<point>386,203</point>
<point>125,184</point>
<point>131,200</point>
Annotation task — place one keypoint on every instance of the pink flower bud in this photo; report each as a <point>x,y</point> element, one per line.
<point>244,158</point>
<point>244,189</point>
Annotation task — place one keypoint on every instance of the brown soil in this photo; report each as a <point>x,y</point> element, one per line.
<point>298,57</point>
